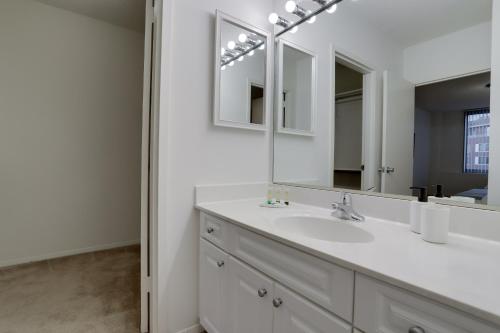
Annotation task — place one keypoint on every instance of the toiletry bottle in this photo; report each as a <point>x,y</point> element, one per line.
<point>416,208</point>
<point>439,192</point>
<point>269,195</point>
<point>278,195</point>
<point>435,223</point>
<point>286,197</point>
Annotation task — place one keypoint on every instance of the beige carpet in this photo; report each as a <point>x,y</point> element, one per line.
<point>90,293</point>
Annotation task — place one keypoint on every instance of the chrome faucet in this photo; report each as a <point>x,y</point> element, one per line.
<point>344,209</point>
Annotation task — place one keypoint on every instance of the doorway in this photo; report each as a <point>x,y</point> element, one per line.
<point>76,200</point>
<point>348,166</point>
<point>353,149</point>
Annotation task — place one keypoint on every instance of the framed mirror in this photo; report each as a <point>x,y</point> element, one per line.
<point>398,103</point>
<point>243,73</point>
<point>296,89</point>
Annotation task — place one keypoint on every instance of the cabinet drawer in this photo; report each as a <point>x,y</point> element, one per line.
<point>326,284</point>
<point>296,314</point>
<point>382,308</point>
<point>214,230</point>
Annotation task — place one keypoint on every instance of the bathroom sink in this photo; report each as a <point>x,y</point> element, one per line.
<point>324,229</point>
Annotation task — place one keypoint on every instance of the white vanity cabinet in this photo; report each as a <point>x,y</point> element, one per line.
<point>294,314</point>
<point>253,284</point>
<point>213,287</point>
<point>257,304</point>
<point>247,297</point>
<point>250,297</point>
<point>382,308</point>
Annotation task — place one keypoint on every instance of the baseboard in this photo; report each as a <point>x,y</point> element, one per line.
<point>52,255</point>
<point>192,329</point>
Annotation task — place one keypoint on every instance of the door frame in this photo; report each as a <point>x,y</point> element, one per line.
<point>368,151</point>
<point>149,165</point>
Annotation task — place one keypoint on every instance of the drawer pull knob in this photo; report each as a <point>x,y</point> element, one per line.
<point>262,292</point>
<point>210,230</point>
<point>416,329</point>
<point>220,263</point>
<point>277,302</point>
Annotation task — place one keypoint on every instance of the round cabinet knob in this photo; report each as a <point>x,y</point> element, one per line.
<point>416,329</point>
<point>210,230</point>
<point>277,302</point>
<point>220,263</point>
<point>262,292</point>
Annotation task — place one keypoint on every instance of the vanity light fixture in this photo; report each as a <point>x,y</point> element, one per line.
<point>292,7</point>
<point>304,15</point>
<point>247,44</point>
<point>231,45</point>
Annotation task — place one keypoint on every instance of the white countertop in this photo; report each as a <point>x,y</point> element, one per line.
<point>465,273</point>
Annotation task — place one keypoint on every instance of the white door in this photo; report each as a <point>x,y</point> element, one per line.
<point>213,288</point>
<point>397,135</point>
<point>249,300</point>
<point>294,314</point>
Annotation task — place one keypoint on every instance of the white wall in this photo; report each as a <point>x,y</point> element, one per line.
<point>70,132</point>
<point>191,150</point>
<point>310,159</point>
<point>458,53</point>
<point>494,169</point>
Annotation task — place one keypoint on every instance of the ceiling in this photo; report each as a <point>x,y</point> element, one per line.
<point>455,95</point>
<point>129,14</point>
<point>410,22</point>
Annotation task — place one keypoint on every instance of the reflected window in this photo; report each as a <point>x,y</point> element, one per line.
<point>477,141</point>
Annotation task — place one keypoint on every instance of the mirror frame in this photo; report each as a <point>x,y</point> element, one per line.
<point>269,70</point>
<point>279,88</point>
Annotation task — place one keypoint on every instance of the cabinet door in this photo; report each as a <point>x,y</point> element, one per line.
<point>213,285</point>
<point>250,300</point>
<point>382,308</point>
<point>294,314</point>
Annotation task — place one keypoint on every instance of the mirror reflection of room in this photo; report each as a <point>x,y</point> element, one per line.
<point>242,75</point>
<point>372,137</point>
<point>297,92</point>
<point>452,121</point>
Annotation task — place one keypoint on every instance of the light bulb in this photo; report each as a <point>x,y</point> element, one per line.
<point>290,6</point>
<point>332,9</point>
<point>223,68</point>
<point>312,19</point>
<point>242,38</point>
<point>231,63</point>
<point>231,45</point>
<point>273,18</point>
<point>262,47</point>
<point>294,29</point>
<point>222,51</point>
<point>241,58</point>
<point>251,53</point>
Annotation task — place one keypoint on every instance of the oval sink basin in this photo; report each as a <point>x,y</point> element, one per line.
<point>324,229</point>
